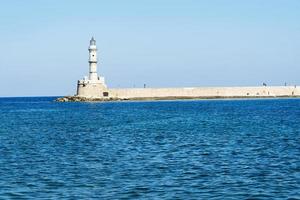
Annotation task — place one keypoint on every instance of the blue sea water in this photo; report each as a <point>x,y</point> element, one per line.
<point>205,149</point>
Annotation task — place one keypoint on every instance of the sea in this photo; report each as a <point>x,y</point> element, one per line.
<point>186,149</point>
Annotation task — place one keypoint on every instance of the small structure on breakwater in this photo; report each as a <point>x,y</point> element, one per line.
<point>93,88</point>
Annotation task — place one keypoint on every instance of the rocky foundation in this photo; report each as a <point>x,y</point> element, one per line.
<point>85,99</point>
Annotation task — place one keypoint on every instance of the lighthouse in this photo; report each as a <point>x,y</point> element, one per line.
<point>93,60</point>
<point>92,85</point>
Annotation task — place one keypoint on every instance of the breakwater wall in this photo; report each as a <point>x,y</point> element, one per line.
<point>205,92</point>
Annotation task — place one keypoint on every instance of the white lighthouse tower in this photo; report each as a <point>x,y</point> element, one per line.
<point>93,85</point>
<point>93,60</point>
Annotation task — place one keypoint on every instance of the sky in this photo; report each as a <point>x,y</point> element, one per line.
<point>160,43</point>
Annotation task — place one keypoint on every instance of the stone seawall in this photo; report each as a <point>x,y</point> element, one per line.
<point>205,92</point>
<point>93,94</point>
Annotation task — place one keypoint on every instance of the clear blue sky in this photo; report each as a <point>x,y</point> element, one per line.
<point>163,43</point>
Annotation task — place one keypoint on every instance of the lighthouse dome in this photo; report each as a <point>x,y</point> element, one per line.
<point>92,42</point>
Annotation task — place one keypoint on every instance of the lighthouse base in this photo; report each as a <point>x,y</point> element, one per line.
<point>92,89</point>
